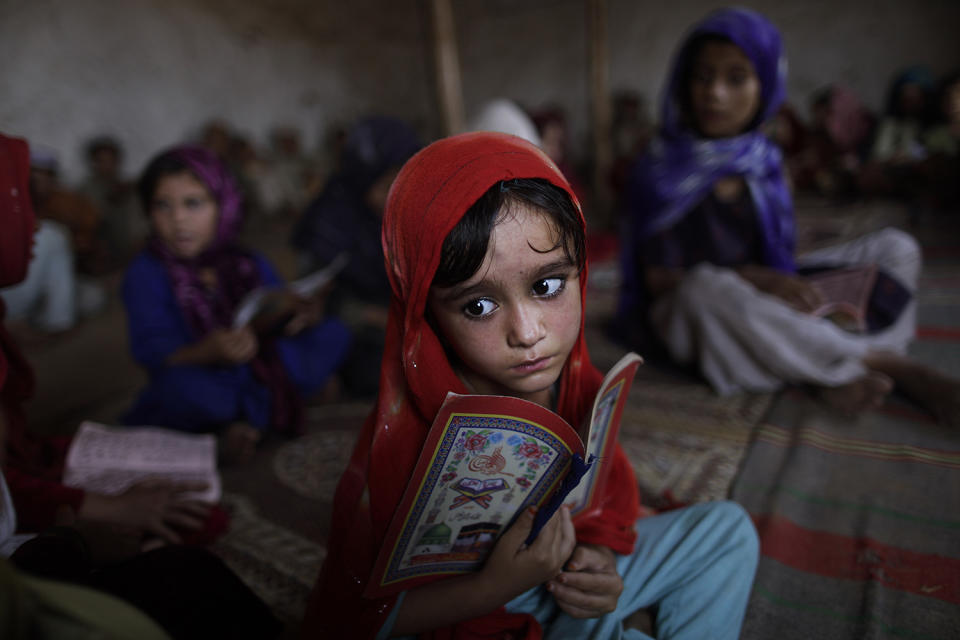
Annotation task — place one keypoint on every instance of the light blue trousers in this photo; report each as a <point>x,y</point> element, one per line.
<point>694,567</point>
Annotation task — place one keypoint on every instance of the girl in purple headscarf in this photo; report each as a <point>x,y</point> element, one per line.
<point>709,272</point>
<point>181,295</point>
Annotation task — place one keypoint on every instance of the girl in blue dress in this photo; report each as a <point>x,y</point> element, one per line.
<point>181,293</point>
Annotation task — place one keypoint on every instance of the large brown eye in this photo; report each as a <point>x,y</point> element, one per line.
<point>479,308</point>
<point>548,287</point>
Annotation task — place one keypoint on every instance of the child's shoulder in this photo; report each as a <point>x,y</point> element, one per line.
<point>145,271</point>
<point>144,262</point>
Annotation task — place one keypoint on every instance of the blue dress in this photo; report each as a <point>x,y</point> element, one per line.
<point>204,398</point>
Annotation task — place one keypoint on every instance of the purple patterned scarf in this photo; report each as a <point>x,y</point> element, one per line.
<point>678,170</point>
<point>236,275</point>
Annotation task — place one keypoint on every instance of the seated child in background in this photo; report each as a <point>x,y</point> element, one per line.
<point>54,201</point>
<point>181,294</point>
<point>840,134</point>
<point>943,145</point>
<point>708,264</point>
<point>52,298</point>
<point>34,465</point>
<point>897,156</point>
<point>122,228</point>
<point>899,136</point>
<point>551,123</point>
<point>345,218</point>
<point>943,138</point>
<point>187,590</point>
<point>484,243</point>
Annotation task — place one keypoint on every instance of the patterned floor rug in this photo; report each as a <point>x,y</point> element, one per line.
<point>858,519</point>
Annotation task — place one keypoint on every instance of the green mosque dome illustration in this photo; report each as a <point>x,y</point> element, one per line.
<point>437,534</point>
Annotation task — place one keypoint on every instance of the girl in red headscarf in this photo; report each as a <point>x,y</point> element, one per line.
<point>484,246</point>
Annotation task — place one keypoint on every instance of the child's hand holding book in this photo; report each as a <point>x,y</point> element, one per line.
<point>153,507</point>
<point>590,585</point>
<point>513,567</point>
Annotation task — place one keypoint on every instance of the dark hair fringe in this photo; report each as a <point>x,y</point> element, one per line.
<point>465,246</point>
<point>161,166</point>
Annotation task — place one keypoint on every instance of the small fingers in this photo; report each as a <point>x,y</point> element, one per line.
<point>165,532</point>
<point>551,536</point>
<point>184,520</point>
<point>151,543</point>
<point>588,604</point>
<point>194,508</point>
<point>518,532</point>
<point>577,612</point>
<point>295,325</point>
<point>190,487</point>
<point>568,535</point>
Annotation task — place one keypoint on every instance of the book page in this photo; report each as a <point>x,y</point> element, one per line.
<point>259,298</point>
<point>485,460</point>
<point>309,285</point>
<point>110,459</point>
<point>845,291</point>
<point>602,432</point>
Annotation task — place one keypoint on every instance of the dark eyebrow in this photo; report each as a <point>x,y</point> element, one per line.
<point>550,269</point>
<point>457,292</point>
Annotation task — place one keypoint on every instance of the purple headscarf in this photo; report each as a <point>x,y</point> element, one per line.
<point>679,168</point>
<point>206,309</point>
<point>236,270</point>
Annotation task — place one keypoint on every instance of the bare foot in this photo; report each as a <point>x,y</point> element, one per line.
<point>868,392</point>
<point>238,443</point>
<point>934,390</point>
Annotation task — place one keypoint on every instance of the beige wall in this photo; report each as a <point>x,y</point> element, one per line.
<point>151,71</point>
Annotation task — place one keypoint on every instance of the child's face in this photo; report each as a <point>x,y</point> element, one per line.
<point>724,90</point>
<point>513,323</point>
<point>184,214</point>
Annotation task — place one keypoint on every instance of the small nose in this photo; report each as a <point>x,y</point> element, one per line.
<point>714,88</point>
<point>179,212</point>
<point>526,326</point>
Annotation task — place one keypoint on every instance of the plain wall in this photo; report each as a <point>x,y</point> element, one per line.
<point>151,72</point>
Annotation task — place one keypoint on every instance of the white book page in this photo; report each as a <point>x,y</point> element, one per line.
<point>110,459</point>
<point>304,287</point>
<point>308,285</point>
<point>598,430</point>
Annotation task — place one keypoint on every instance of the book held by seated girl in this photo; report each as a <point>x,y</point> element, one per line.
<point>485,460</point>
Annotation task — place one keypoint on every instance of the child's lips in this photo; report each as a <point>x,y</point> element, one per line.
<point>531,366</point>
<point>712,115</point>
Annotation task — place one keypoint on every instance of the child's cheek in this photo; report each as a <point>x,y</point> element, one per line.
<point>569,322</point>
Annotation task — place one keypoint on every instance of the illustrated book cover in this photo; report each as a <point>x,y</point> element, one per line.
<point>485,460</point>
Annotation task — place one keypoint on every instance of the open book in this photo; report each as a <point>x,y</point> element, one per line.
<point>485,460</point>
<point>266,305</point>
<point>108,460</point>
<point>845,295</point>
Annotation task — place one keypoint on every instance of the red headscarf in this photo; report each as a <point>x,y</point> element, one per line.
<point>17,223</point>
<point>16,211</point>
<point>430,195</point>
<point>33,466</point>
